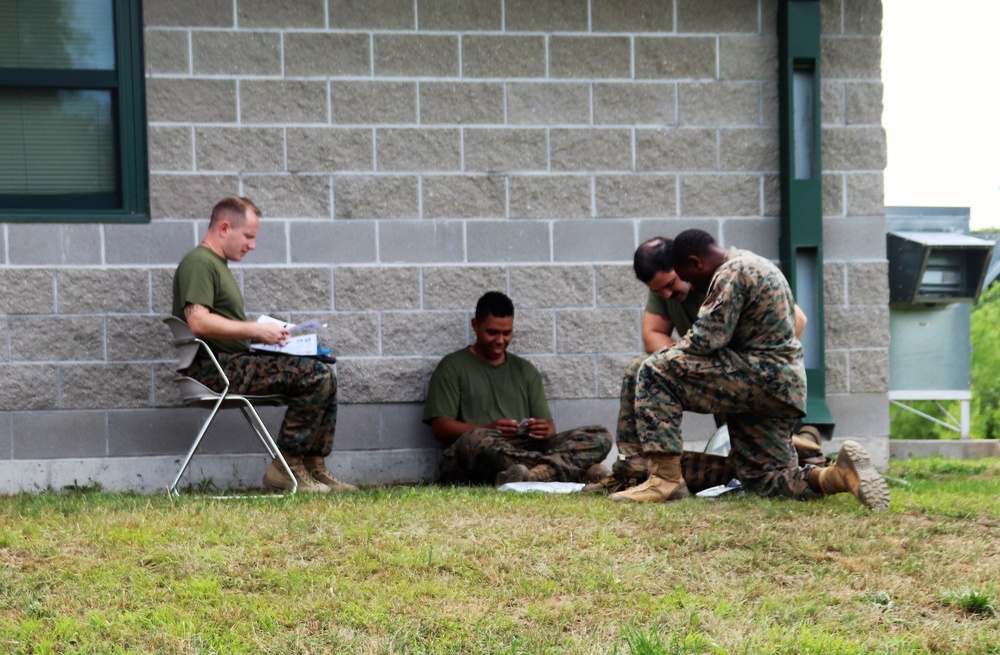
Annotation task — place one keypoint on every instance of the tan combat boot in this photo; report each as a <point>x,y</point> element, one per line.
<point>316,465</point>
<point>626,472</point>
<point>853,472</point>
<point>521,473</point>
<point>276,478</point>
<point>665,483</point>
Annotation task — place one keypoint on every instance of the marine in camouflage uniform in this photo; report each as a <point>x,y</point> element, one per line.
<point>741,358</point>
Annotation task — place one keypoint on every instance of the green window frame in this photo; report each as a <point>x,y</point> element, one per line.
<point>124,83</point>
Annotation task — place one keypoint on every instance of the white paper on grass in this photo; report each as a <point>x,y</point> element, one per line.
<point>543,487</point>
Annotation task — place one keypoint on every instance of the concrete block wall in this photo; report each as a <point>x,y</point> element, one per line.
<point>407,156</point>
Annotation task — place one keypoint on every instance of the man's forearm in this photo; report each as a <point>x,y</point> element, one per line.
<point>205,324</point>
<point>654,341</point>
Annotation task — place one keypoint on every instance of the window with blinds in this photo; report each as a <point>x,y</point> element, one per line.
<point>72,111</point>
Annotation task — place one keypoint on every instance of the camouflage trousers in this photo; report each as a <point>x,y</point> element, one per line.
<point>760,426</point>
<point>311,387</point>
<point>480,454</point>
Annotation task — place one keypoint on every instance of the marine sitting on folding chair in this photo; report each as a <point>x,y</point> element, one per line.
<point>208,297</point>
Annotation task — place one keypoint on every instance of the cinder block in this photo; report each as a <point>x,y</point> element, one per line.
<point>27,291</point>
<point>863,103</point>
<point>857,326</point>
<point>590,57</point>
<point>28,386</point>
<point>834,284</point>
<point>567,376</point>
<point>676,150</point>
<point>461,196</point>
<point>633,103</point>
<point>459,287</point>
<point>311,54</point>
<point>350,334</point>
<point>32,244</point>
<point>6,445</point>
<point>461,102</point>
<point>189,13</point>
<point>865,194</point>
<point>534,332</point>
<point>287,289</point>
<point>287,13</point>
<point>632,16</point>
<point>831,17</point>
<point>725,104</point>
<point>373,103</point>
<point>717,16</point>
<point>381,380</point>
<point>631,196</point>
<point>720,195</point>
<point>426,241</point>
<point>333,242</point>
<point>240,149</point>
<point>563,196</point>
<point>552,286</point>
<point>176,100</point>
<point>548,103</point>
<point>162,289</point>
<point>290,196</point>
<point>854,148</point>
<point>188,196</point>
<point>848,57</point>
<point>598,331</point>
<point>836,371</point>
<point>772,194</point>
<point>592,240</point>
<point>848,239</point>
<point>272,243</point>
<point>139,338</point>
<point>98,291</point>
<point>833,194</point>
<point>617,286</point>
<point>758,235</point>
<point>240,52</point>
<point>749,149</point>
<point>372,14</point>
<point>384,444</point>
<point>869,371</point>
<point>868,283</point>
<point>330,149</point>
<point>166,51</point>
<point>552,16</point>
<point>496,150</point>
<point>417,149</point>
<point>503,56</point>
<point>748,57</point>
<point>460,15</point>
<point>674,57</point>
<point>376,288</point>
<point>85,386</point>
<point>376,196</point>
<point>671,226</point>
<point>423,333</point>
<point>160,242</point>
<point>508,241</point>
<point>863,17</point>
<point>63,434</point>
<point>590,149</point>
<point>416,55</point>
<point>170,148</point>
<point>4,355</point>
<point>611,373</point>
<point>833,110</point>
<point>56,338</point>
<point>283,101</point>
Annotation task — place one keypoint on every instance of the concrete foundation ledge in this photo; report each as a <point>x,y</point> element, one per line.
<point>952,448</point>
<point>154,474</point>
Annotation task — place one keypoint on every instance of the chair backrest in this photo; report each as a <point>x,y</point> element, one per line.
<point>184,340</point>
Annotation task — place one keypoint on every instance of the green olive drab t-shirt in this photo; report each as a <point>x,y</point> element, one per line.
<point>468,389</point>
<point>682,313</point>
<point>204,278</point>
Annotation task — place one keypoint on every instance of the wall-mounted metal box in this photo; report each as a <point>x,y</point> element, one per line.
<point>936,267</point>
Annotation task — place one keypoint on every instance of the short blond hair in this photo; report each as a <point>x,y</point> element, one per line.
<point>233,208</point>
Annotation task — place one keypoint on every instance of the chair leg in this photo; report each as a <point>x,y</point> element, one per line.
<point>265,437</point>
<point>194,447</point>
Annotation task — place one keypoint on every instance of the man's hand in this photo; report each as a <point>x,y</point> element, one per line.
<point>508,427</point>
<point>271,333</point>
<point>536,428</point>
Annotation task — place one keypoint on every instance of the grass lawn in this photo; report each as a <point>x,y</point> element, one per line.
<point>456,570</point>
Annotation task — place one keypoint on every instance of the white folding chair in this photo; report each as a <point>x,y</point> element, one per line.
<point>196,394</point>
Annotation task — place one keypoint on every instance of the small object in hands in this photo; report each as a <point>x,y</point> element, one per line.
<point>523,424</point>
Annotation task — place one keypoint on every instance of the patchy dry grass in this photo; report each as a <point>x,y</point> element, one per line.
<point>438,570</point>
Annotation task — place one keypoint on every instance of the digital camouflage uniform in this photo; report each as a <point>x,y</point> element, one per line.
<point>480,454</point>
<point>741,359</point>
<point>204,278</point>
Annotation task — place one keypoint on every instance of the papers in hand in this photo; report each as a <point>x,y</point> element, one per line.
<point>301,342</point>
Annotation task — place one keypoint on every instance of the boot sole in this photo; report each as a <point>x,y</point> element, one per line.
<point>873,492</point>
<point>680,493</point>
